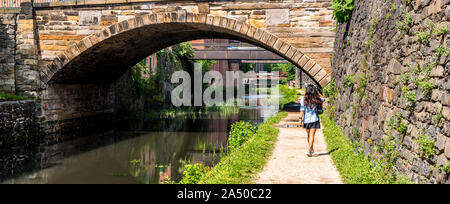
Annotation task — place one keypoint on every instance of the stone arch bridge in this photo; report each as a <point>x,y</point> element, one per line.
<point>68,53</point>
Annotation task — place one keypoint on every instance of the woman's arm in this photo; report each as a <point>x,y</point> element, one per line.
<point>320,95</point>
<point>302,115</point>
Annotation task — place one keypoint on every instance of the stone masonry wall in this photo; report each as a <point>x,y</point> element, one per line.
<point>394,83</point>
<point>7,51</point>
<point>27,52</point>
<point>19,135</point>
<point>73,110</point>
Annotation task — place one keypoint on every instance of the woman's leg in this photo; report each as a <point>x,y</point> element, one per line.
<point>308,131</point>
<point>311,139</point>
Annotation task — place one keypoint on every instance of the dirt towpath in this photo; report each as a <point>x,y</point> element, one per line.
<point>289,163</point>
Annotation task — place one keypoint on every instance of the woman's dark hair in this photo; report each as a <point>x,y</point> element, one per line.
<point>312,97</point>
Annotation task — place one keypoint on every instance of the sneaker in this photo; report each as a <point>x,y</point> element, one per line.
<point>309,153</point>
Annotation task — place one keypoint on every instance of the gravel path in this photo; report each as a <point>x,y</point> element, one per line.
<point>289,163</point>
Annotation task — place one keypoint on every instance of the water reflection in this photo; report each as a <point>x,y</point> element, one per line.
<point>152,152</point>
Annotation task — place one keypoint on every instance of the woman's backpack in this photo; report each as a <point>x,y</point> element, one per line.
<point>319,109</point>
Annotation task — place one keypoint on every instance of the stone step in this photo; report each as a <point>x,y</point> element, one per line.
<point>291,118</point>
<point>288,123</point>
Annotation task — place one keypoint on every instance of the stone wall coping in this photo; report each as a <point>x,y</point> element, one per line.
<point>228,7</point>
<point>92,2</point>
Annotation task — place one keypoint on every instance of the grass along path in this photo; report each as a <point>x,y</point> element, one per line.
<point>355,168</point>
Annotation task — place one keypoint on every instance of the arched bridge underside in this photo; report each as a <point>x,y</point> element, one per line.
<point>110,52</point>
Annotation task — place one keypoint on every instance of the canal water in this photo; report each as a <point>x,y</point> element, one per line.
<point>148,154</point>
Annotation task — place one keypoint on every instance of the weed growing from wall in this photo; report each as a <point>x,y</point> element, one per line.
<point>349,80</point>
<point>342,10</point>
<point>396,123</point>
<point>405,23</point>
<point>426,144</point>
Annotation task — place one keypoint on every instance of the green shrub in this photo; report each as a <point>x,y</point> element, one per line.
<point>425,85</point>
<point>423,37</point>
<point>426,144</point>
<point>406,22</point>
<point>396,123</point>
<point>349,80</point>
<point>184,50</point>
<point>441,30</point>
<point>342,10</point>
<point>330,91</point>
<point>388,16</point>
<point>402,179</point>
<point>436,118</point>
<point>193,173</point>
<point>239,134</point>
<point>443,51</point>
<point>289,95</point>
<point>445,168</point>
<point>363,79</point>
<point>409,95</point>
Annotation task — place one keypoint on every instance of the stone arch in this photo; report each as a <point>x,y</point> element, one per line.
<point>106,54</point>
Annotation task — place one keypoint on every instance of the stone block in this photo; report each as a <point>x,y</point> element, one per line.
<point>445,98</point>
<point>297,55</point>
<point>272,39</point>
<point>251,31</point>
<point>394,67</point>
<point>244,28</point>
<point>309,65</point>
<point>257,23</point>
<point>440,142</point>
<point>275,17</point>
<point>447,148</point>
<point>203,8</point>
<point>278,44</point>
<point>447,85</point>
<point>303,60</point>
<point>435,95</point>
<point>321,74</point>
<point>446,113</point>
<point>437,71</point>
<point>90,17</point>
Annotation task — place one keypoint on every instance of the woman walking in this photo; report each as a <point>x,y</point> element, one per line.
<point>310,108</point>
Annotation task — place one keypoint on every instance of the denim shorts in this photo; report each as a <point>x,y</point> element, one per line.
<point>314,125</point>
